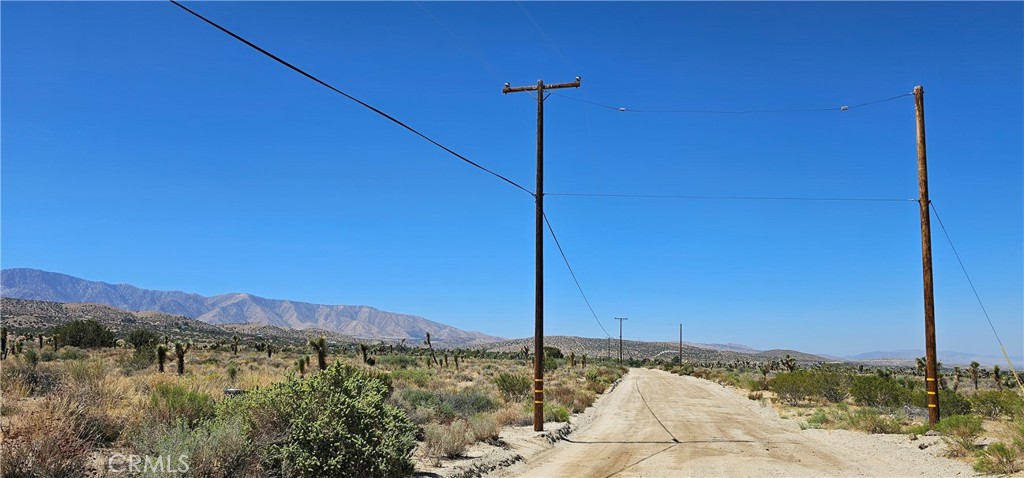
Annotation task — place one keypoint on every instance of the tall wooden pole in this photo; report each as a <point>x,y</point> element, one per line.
<point>680,344</point>
<point>538,332</point>
<point>931,368</point>
<point>620,319</point>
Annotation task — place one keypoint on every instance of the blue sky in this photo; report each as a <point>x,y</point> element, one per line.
<point>142,146</point>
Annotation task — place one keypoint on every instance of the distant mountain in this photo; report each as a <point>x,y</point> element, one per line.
<point>947,357</point>
<point>650,350</point>
<point>236,308</point>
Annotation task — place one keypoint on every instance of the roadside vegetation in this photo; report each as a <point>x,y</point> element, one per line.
<point>80,394</point>
<point>981,411</point>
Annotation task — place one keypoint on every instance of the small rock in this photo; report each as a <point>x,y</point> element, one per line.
<point>922,446</point>
<point>913,437</point>
<point>932,433</point>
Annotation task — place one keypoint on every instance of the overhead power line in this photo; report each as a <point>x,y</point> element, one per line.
<point>346,95</point>
<point>624,109</point>
<point>740,198</point>
<point>977,296</point>
<point>578,286</point>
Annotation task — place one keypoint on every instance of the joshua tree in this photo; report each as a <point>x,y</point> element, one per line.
<point>572,359</point>
<point>161,356</point>
<point>40,341</point>
<point>789,363</point>
<point>974,374</point>
<point>362,348</point>
<point>921,365</point>
<point>457,360</point>
<point>431,347</point>
<point>234,344</point>
<point>764,369</point>
<point>232,372</point>
<point>301,365</point>
<point>180,350</point>
<point>996,377</point>
<point>956,378</point>
<point>270,350</point>
<point>446,360</point>
<point>319,345</point>
<point>3,342</point>
<point>584,364</point>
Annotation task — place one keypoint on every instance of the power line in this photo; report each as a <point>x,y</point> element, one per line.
<point>578,286</point>
<point>736,198</point>
<point>346,95</point>
<point>976,295</point>
<point>623,109</point>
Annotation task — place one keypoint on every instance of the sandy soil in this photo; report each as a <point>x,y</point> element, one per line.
<point>657,424</point>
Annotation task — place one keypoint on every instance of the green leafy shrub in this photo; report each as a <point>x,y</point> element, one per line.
<point>416,376</point>
<point>213,449</point>
<point>833,384</point>
<point>997,403</point>
<point>170,403</point>
<point>950,402</point>
<point>141,338</point>
<point>999,458</point>
<point>513,386</point>
<point>398,361</point>
<point>872,421</point>
<point>333,423</point>
<point>84,333</point>
<point>555,413</point>
<point>960,432</point>
<point>793,386</point>
<point>875,391</point>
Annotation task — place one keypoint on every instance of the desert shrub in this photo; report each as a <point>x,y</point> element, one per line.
<point>213,449</point>
<point>872,421</point>
<point>170,403</point>
<point>950,402</point>
<point>833,384</point>
<point>513,386</point>
<point>470,401</point>
<point>49,447</point>
<point>999,458</point>
<point>554,412</point>
<point>71,353</point>
<point>997,403</point>
<point>141,338</point>
<point>398,361</point>
<point>334,423</point>
<point>417,376</point>
<point>485,427</point>
<point>142,357</point>
<point>875,391</point>
<point>32,357</point>
<point>793,386</point>
<point>84,333</point>
<point>755,395</point>
<point>818,420</point>
<point>37,381</point>
<point>514,415</point>
<point>960,432</point>
<point>448,441</point>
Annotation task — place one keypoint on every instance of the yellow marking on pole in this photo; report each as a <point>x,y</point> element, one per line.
<point>538,380</point>
<point>932,405</point>
<point>931,392</point>
<point>538,391</point>
<point>537,401</point>
<point>931,379</point>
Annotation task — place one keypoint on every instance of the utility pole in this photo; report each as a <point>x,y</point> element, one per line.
<point>931,368</point>
<point>620,319</point>
<point>538,337</point>
<point>680,344</point>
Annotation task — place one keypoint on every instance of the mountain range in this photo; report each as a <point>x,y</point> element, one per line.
<point>356,321</point>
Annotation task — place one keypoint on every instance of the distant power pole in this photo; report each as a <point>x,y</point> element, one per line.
<point>680,344</point>
<point>538,335</point>
<point>620,319</point>
<point>931,367</point>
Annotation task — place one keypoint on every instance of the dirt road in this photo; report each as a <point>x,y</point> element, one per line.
<point>656,424</point>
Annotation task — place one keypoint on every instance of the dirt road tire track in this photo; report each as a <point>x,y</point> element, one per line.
<point>656,424</point>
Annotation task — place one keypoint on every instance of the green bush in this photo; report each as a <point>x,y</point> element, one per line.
<point>872,421</point>
<point>950,402</point>
<point>554,412</point>
<point>999,458</point>
<point>334,423</point>
<point>833,384</point>
<point>141,338</point>
<point>71,353</point>
<point>875,391</point>
<point>960,432</point>
<point>214,449</point>
<point>997,403</point>
<point>84,333</point>
<point>794,386</point>
<point>513,386</point>
<point>397,361</point>
<point>171,403</point>
<point>417,376</point>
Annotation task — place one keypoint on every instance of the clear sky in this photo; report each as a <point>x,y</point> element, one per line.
<point>142,146</point>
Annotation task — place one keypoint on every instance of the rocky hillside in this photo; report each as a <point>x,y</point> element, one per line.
<point>236,308</point>
<point>640,350</point>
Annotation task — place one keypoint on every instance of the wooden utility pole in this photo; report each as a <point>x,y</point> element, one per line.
<point>680,344</point>
<point>620,319</point>
<point>931,368</point>
<point>538,337</point>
